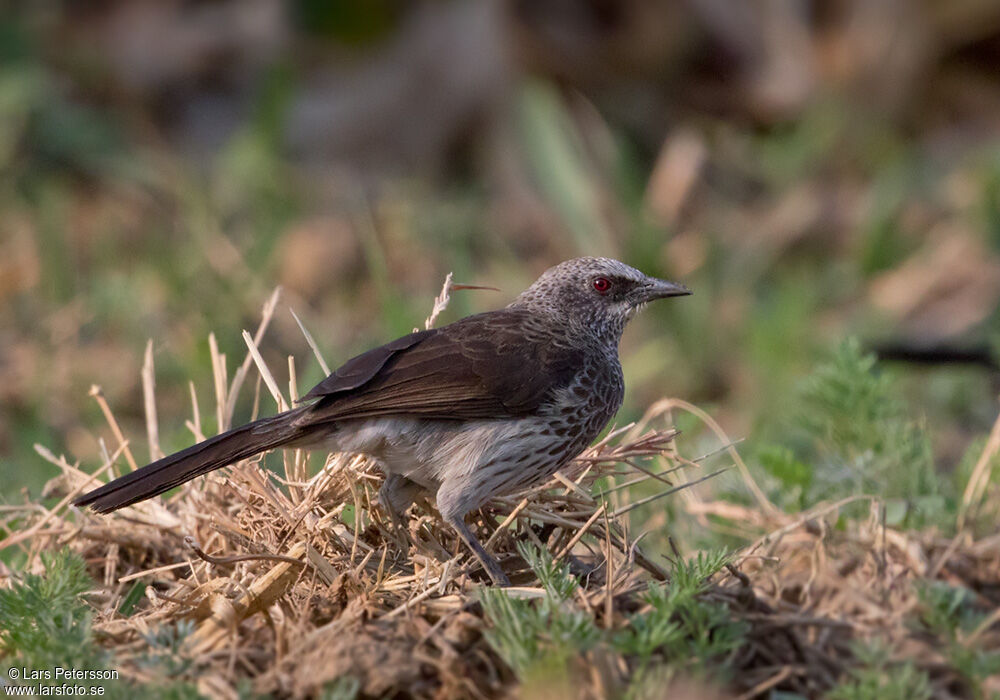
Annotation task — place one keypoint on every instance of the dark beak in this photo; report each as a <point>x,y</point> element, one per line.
<point>661,289</point>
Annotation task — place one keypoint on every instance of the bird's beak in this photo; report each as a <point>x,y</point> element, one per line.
<point>661,289</point>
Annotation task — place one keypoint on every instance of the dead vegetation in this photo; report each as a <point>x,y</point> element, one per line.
<point>292,581</point>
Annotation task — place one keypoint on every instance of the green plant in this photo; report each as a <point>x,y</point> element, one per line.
<point>679,632</point>
<point>794,475</point>
<point>532,635</point>
<point>344,688</point>
<point>856,432</point>
<point>43,619</point>
<point>877,678</point>
<point>165,654</point>
<point>45,623</point>
<point>948,612</point>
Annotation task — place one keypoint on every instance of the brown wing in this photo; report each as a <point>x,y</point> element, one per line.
<point>487,366</point>
<point>360,369</point>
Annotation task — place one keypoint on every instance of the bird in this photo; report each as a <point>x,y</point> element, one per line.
<point>479,408</point>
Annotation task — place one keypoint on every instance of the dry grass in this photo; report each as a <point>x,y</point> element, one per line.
<point>292,580</point>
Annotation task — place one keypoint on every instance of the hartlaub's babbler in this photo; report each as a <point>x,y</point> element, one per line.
<point>479,408</point>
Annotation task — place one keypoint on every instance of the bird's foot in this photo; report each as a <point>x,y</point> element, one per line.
<point>496,574</point>
<point>489,562</point>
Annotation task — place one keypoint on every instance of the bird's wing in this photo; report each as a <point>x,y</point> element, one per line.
<point>361,369</point>
<point>492,365</point>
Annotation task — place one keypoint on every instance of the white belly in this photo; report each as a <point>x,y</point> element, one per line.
<point>429,452</point>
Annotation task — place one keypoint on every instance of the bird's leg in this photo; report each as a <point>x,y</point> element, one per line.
<point>395,496</point>
<point>455,498</point>
<point>489,563</point>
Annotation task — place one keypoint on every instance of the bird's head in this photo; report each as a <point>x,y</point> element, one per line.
<point>602,294</point>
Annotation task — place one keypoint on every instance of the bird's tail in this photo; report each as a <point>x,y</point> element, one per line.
<point>180,467</point>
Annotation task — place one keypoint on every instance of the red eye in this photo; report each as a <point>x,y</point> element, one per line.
<point>602,285</point>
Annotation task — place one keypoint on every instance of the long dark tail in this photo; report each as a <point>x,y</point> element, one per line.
<point>180,467</point>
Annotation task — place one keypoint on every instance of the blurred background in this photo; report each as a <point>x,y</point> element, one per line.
<point>814,170</point>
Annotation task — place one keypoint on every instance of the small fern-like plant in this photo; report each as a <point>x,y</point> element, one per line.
<point>878,677</point>
<point>539,637</point>
<point>45,623</point>
<point>856,435</point>
<point>681,632</point>
<point>43,620</point>
<point>949,612</point>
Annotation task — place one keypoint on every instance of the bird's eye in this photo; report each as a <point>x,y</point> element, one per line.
<point>602,285</point>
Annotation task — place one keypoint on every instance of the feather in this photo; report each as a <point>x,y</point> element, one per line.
<point>483,366</point>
